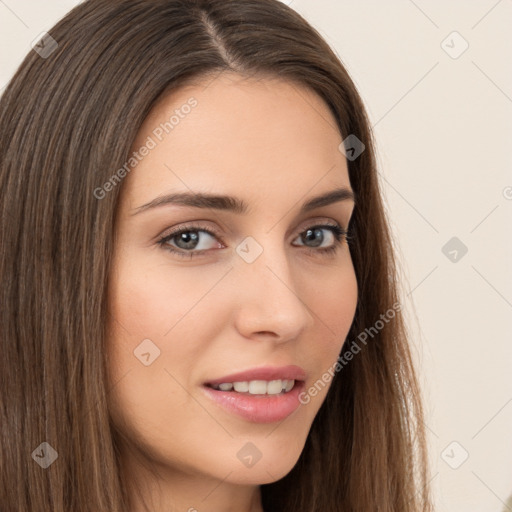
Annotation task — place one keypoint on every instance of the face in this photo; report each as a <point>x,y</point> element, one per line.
<point>204,296</point>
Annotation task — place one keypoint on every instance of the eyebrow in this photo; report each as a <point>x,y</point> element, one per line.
<point>236,205</point>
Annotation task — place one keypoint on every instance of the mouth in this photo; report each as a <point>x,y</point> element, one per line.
<point>256,387</point>
<point>262,395</point>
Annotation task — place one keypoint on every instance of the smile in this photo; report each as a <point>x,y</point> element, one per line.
<point>257,387</point>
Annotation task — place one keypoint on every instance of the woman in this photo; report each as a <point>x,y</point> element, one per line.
<point>200,308</point>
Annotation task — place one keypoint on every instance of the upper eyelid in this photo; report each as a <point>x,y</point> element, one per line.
<point>199,225</point>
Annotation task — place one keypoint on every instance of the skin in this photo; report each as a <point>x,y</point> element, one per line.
<point>274,145</point>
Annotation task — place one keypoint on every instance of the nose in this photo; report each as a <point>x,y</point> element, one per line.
<point>270,303</point>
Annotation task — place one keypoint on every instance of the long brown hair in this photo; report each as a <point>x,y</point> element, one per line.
<point>68,119</point>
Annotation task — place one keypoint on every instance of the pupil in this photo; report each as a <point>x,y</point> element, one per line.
<point>315,235</point>
<point>189,239</point>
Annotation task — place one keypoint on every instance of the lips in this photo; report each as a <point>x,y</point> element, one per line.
<point>259,395</point>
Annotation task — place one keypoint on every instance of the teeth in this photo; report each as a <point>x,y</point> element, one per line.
<point>274,387</point>
<point>241,387</point>
<point>257,387</point>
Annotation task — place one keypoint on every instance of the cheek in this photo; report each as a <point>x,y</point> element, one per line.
<point>150,402</point>
<point>162,316</point>
<point>333,303</point>
<point>157,300</point>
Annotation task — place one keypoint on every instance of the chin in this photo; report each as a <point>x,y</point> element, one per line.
<point>262,475</point>
<point>265,466</point>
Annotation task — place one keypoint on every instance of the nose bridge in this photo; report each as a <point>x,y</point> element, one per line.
<point>268,295</point>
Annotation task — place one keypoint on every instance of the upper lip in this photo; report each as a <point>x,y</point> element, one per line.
<point>290,372</point>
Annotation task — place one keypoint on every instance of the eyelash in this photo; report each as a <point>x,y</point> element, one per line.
<point>336,229</point>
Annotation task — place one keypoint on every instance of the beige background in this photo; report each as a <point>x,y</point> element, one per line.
<point>442,120</point>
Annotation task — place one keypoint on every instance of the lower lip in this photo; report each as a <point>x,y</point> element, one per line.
<point>258,408</point>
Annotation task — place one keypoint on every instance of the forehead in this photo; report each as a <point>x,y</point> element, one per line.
<point>246,137</point>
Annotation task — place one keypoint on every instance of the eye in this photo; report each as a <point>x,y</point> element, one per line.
<point>187,239</point>
<point>315,236</point>
<point>190,241</point>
